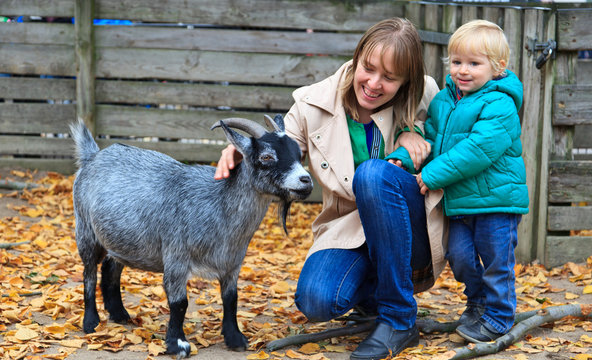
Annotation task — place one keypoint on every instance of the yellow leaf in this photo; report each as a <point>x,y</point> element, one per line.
<point>583,357</point>
<point>94,346</point>
<point>281,287</point>
<point>588,289</point>
<point>154,349</point>
<point>77,343</point>
<point>310,348</point>
<point>571,296</point>
<point>261,355</point>
<point>335,348</point>
<point>25,334</point>
<point>294,355</point>
<point>586,338</point>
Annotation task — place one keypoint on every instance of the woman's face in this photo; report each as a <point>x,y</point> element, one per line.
<point>375,85</point>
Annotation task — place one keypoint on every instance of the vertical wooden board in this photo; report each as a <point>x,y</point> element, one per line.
<point>432,54</point>
<point>492,14</point>
<point>546,141</point>
<point>413,14</point>
<point>513,31</point>
<point>468,13</point>
<point>565,73</point>
<point>531,138</point>
<point>85,77</point>
<point>449,25</point>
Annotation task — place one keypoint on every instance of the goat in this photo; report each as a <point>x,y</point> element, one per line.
<point>143,209</point>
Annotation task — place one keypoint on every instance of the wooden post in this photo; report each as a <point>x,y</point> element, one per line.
<point>85,71</point>
<point>531,136</point>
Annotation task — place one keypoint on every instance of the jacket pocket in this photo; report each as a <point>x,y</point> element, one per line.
<point>482,185</point>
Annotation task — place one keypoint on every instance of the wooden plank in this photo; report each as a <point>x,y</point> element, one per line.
<point>583,137</point>
<point>238,40</point>
<point>574,29</point>
<point>56,60</point>
<point>59,8</point>
<point>37,33</point>
<point>318,15</point>
<point>569,181</point>
<point>215,66</point>
<point>85,63</point>
<point>237,96</point>
<point>469,13</point>
<point>563,249</point>
<point>35,118</point>
<point>200,153</point>
<point>431,52</point>
<point>513,31</point>
<point>449,24</point>
<point>571,104</point>
<point>63,166</point>
<point>532,137</point>
<point>37,88</point>
<point>142,122</point>
<point>564,218</point>
<point>565,73</point>
<point>35,145</point>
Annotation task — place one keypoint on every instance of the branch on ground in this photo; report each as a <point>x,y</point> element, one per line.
<point>11,245</point>
<point>16,185</point>
<point>523,323</point>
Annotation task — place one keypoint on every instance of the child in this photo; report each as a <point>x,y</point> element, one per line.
<point>474,129</point>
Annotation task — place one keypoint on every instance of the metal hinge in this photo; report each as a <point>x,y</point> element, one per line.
<point>548,49</point>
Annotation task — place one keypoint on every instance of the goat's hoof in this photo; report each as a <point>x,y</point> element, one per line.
<point>236,342</point>
<point>89,325</point>
<point>120,318</point>
<point>180,347</point>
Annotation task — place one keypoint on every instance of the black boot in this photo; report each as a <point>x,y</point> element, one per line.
<point>385,341</point>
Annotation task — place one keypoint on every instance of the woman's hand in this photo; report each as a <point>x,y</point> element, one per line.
<point>416,146</point>
<point>229,158</point>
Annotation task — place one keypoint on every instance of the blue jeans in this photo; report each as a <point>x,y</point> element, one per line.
<point>481,255</point>
<point>392,211</point>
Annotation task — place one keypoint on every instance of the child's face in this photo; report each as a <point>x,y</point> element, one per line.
<point>375,85</point>
<point>470,71</point>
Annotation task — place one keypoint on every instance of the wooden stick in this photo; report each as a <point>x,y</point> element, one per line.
<point>11,245</point>
<point>16,185</point>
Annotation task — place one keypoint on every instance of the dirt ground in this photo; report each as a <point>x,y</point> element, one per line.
<point>526,350</point>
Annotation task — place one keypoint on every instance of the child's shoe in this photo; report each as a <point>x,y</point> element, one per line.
<point>477,332</point>
<point>471,314</point>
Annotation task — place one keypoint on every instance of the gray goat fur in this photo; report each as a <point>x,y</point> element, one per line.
<point>143,209</point>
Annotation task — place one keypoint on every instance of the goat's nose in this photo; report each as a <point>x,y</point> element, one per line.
<point>305,179</point>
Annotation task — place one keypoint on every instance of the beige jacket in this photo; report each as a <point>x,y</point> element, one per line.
<point>317,122</point>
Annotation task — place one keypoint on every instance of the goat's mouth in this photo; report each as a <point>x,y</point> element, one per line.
<point>300,194</point>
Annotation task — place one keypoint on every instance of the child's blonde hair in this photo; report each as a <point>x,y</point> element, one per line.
<point>482,37</point>
<point>400,37</point>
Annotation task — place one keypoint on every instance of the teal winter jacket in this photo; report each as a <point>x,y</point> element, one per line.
<point>476,149</point>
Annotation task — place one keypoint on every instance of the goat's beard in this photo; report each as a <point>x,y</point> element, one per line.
<point>283,212</point>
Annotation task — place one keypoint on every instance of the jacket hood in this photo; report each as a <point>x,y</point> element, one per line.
<point>509,84</point>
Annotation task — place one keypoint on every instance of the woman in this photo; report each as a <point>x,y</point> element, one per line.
<point>377,239</point>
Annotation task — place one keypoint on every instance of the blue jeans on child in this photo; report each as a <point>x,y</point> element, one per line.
<point>491,239</point>
<point>379,272</point>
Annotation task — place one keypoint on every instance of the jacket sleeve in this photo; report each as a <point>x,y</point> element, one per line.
<point>295,128</point>
<point>496,128</point>
<point>429,92</point>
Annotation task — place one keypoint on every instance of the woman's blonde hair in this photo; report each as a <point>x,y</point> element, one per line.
<point>400,37</point>
<point>485,38</point>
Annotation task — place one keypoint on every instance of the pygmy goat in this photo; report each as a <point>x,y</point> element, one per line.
<point>143,209</point>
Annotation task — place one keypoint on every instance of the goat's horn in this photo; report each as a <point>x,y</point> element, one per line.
<point>250,127</point>
<point>271,123</point>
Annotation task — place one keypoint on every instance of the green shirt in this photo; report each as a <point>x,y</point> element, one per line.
<point>358,138</point>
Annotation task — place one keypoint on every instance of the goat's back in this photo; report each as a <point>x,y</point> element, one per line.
<point>145,207</point>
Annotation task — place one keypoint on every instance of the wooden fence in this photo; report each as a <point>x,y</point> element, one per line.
<point>184,64</point>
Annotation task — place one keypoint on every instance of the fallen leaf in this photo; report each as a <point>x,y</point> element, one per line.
<point>261,355</point>
<point>310,348</point>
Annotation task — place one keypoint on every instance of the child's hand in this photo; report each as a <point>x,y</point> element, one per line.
<point>397,162</point>
<point>423,188</point>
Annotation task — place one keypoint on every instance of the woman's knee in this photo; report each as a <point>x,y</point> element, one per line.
<point>314,303</point>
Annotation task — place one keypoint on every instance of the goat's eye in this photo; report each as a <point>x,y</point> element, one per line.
<point>266,158</point>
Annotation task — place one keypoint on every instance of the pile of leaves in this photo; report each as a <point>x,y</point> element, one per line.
<point>41,303</point>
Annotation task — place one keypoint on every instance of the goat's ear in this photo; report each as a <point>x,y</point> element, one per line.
<point>242,143</point>
<point>279,120</point>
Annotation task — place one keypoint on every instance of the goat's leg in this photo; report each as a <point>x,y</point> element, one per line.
<point>234,339</point>
<point>91,254</point>
<point>175,285</point>
<point>111,288</point>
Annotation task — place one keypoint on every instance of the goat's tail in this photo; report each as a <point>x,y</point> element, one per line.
<point>86,147</point>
